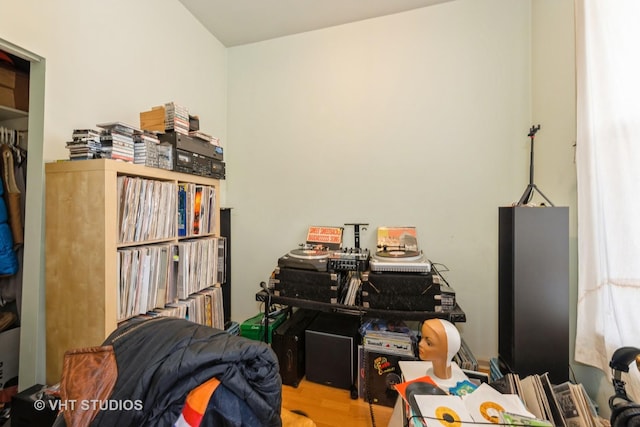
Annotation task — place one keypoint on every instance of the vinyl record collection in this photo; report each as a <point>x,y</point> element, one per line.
<point>174,278</point>
<point>138,218</point>
<point>565,404</point>
<point>465,358</point>
<point>157,276</point>
<point>196,209</point>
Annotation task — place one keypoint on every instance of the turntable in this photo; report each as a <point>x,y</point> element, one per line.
<point>308,257</point>
<point>400,260</point>
<point>314,253</point>
<point>398,252</point>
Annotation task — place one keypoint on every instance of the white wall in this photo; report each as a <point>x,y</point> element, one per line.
<point>108,61</point>
<point>418,118</point>
<point>105,61</point>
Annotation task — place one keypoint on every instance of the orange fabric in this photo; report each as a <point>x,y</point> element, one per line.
<point>199,397</point>
<point>197,401</point>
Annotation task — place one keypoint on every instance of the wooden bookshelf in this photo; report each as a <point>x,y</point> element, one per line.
<point>82,250</point>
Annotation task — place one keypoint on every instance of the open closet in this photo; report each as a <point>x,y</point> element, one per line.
<point>14,121</point>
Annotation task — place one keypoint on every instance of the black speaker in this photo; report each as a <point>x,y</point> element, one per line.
<point>624,412</point>
<point>288,343</point>
<point>225,269</point>
<point>331,342</point>
<point>533,291</point>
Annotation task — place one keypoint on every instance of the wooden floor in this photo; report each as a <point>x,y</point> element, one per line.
<point>332,407</point>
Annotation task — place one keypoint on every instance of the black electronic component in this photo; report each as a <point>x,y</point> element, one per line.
<point>289,345</point>
<point>402,291</point>
<point>307,284</point>
<point>354,259</point>
<point>194,156</point>
<point>331,348</point>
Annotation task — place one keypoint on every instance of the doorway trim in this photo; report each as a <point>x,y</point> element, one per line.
<point>32,359</point>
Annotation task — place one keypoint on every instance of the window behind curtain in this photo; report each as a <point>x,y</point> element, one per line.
<point>608,169</point>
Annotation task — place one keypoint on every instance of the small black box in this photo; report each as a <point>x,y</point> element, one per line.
<point>402,291</point>
<point>25,412</point>
<point>307,284</point>
<point>194,123</point>
<point>331,343</point>
<point>288,344</point>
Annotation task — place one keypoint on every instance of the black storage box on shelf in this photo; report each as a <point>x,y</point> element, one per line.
<point>30,408</point>
<point>288,344</point>
<point>382,372</point>
<point>195,156</point>
<point>311,285</point>
<point>401,291</point>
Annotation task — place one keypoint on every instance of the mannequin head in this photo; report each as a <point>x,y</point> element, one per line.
<point>440,342</point>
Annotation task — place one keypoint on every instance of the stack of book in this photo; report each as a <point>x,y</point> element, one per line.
<point>145,150</point>
<point>85,144</point>
<point>204,136</point>
<point>176,118</point>
<point>165,156</point>
<point>117,141</point>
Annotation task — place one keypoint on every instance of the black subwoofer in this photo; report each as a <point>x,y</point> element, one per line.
<point>331,342</point>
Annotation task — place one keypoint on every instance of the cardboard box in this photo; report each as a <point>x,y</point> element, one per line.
<point>9,357</point>
<point>153,120</point>
<point>7,76</point>
<point>21,92</point>
<point>14,89</point>
<point>6,97</point>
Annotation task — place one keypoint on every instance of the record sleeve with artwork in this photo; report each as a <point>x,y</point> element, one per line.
<point>314,253</point>
<point>398,251</point>
<point>398,241</point>
<point>329,237</point>
<point>382,373</point>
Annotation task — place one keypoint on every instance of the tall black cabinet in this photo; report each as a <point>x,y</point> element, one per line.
<point>533,291</point>
<point>225,231</point>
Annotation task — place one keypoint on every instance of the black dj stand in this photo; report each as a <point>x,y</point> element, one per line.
<point>265,296</point>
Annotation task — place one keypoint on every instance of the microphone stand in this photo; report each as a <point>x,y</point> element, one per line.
<point>528,192</point>
<point>267,308</point>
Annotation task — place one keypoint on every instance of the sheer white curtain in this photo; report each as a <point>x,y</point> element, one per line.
<point>608,168</point>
